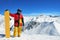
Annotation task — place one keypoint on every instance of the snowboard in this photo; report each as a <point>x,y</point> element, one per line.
<point>7,24</point>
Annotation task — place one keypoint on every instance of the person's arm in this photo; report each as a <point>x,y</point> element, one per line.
<point>22,18</point>
<point>23,21</point>
<point>12,15</point>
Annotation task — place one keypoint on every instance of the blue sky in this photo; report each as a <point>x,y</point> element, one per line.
<point>31,7</point>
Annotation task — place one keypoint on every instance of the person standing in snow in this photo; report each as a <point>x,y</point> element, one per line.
<point>18,22</point>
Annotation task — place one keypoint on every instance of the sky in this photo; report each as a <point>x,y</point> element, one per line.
<point>31,7</point>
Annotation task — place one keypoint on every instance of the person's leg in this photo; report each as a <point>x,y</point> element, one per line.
<point>15,31</point>
<point>19,31</point>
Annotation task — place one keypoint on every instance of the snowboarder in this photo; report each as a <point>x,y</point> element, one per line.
<point>18,22</point>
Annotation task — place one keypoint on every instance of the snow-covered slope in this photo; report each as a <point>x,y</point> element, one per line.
<point>33,37</point>
<point>45,28</point>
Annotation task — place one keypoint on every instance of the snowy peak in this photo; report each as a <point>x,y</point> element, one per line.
<point>44,18</point>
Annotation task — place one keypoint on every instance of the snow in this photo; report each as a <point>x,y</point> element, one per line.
<point>45,28</point>
<point>42,27</point>
<point>33,37</point>
<point>57,26</point>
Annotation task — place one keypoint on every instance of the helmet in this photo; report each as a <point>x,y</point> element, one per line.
<point>19,10</point>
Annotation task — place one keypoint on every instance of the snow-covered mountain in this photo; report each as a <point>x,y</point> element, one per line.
<point>36,25</point>
<point>47,25</point>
